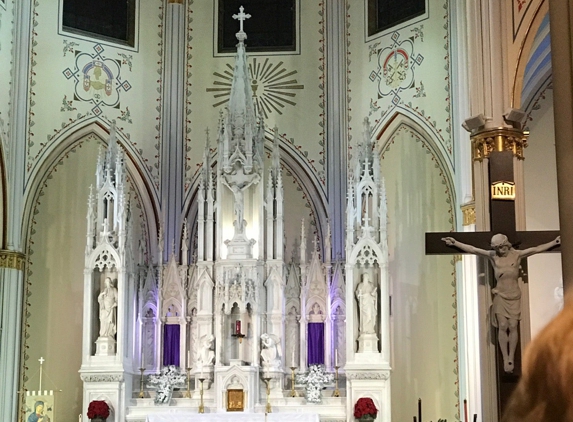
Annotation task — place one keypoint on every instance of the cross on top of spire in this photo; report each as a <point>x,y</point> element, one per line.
<point>241,16</point>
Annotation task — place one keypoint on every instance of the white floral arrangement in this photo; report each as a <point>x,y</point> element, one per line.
<point>169,377</point>
<point>314,381</point>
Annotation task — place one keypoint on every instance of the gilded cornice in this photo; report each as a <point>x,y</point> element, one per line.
<point>469,214</point>
<point>12,260</point>
<point>498,139</point>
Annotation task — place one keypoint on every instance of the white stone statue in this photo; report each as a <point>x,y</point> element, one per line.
<point>238,207</point>
<point>270,351</point>
<point>107,310</point>
<point>206,353</point>
<point>367,305</point>
<point>506,306</point>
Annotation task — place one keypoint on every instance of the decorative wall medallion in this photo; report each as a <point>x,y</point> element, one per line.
<point>396,67</point>
<point>97,79</point>
<point>273,86</point>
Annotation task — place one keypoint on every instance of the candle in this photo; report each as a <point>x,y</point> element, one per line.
<point>293,364</point>
<point>188,358</point>
<point>238,327</point>
<point>420,410</point>
<point>336,357</point>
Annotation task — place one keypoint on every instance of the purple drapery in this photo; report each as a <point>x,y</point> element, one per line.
<point>171,341</point>
<point>316,343</point>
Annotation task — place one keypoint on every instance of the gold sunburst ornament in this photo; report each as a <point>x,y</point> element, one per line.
<point>272,85</point>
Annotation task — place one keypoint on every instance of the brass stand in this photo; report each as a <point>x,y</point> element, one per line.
<point>336,390</point>
<point>268,407</point>
<point>201,405</point>
<point>239,336</point>
<point>292,392</point>
<point>141,394</point>
<point>188,392</point>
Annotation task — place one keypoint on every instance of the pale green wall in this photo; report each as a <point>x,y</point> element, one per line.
<point>429,40</point>
<point>424,334</point>
<point>56,281</point>
<point>6,27</point>
<point>55,52</point>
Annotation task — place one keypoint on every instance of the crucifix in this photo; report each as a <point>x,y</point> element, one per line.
<point>241,16</point>
<point>41,360</point>
<point>498,246</point>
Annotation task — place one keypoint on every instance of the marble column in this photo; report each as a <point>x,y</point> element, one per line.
<point>172,152</point>
<point>12,260</point>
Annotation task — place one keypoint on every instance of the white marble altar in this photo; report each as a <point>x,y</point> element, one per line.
<point>235,417</point>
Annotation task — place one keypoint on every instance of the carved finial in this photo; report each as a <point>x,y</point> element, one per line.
<point>241,16</point>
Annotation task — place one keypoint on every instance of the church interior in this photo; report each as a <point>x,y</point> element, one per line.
<point>240,209</point>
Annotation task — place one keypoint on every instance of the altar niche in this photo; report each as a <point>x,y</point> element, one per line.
<point>104,312</point>
<point>366,322</point>
<point>238,334</point>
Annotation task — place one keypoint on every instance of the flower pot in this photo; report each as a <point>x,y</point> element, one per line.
<point>98,419</point>
<point>367,418</point>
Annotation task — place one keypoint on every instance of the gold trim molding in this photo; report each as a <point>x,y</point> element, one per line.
<point>175,1</point>
<point>498,139</point>
<point>12,260</point>
<point>469,214</point>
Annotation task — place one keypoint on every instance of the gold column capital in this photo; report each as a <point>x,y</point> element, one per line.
<point>500,139</point>
<point>12,259</point>
<point>469,214</point>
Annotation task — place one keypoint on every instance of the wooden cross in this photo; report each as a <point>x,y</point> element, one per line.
<point>241,16</point>
<point>502,216</point>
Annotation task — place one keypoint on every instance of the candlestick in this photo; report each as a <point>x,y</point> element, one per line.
<point>268,408</point>
<point>141,393</point>
<point>292,392</point>
<point>201,406</point>
<point>188,392</point>
<point>336,390</point>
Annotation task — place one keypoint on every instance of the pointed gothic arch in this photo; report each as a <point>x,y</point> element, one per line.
<point>69,141</point>
<point>293,162</point>
<point>384,139</point>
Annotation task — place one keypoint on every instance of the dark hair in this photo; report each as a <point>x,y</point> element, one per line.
<point>544,392</point>
<point>38,403</point>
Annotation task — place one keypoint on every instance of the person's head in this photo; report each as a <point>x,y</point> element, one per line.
<point>39,407</point>
<point>500,243</point>
<point>107,282</point>
<point>544,391</point>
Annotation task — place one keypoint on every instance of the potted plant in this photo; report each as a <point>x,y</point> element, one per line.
<point>365,410</point>
<point>98,411</point>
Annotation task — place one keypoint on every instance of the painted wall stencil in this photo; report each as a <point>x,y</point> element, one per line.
<point>396,67</point>
<point>272,84</point>
<point>97,79</point>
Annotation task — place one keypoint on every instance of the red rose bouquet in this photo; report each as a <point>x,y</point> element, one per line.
<point>98,409</point>
<point>365,406</point>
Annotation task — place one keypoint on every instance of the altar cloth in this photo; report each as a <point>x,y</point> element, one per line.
<point>233,416</point>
